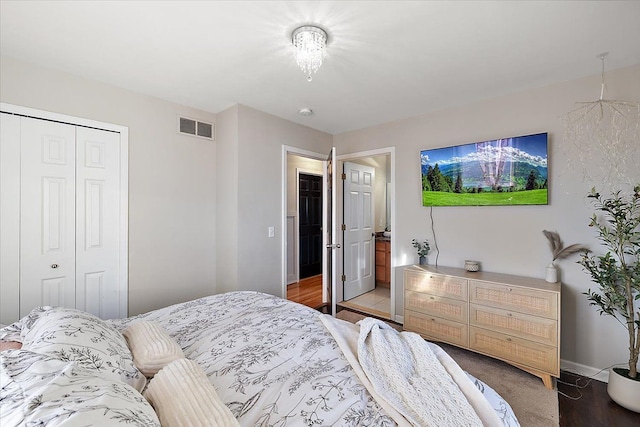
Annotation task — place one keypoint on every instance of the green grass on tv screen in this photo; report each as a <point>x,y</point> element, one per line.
<point>530,197</point>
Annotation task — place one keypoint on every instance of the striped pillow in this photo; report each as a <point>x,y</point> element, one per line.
<point>151,346</point>
<point>183,396</point>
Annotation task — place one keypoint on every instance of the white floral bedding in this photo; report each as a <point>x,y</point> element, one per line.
<point>274,364</point>
<point>271,361</point>
<point>73,370</point>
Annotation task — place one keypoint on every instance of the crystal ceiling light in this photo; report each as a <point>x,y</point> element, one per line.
<point>310,44</point>
<point>601,140</point>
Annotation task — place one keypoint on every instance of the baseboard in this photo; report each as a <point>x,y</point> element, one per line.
<point>585,371</point>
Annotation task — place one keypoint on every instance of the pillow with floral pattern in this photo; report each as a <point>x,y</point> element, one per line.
<point>39,389</point>
<point>77,336</point>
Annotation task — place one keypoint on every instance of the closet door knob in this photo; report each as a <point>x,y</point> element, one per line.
<point>54,265</point>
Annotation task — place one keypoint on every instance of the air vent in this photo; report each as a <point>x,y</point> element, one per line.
<point>197,128</point>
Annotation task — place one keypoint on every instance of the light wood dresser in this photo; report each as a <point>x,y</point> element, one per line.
<point>511,318</point>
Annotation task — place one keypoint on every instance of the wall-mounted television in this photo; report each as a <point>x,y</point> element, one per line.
<point>508,171</point>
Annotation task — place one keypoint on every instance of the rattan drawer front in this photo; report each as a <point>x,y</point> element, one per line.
<point>532,328</point>
<point>447,308</point>
<point>436,328</point>
<point>523,300</point>
<point>522,352</point>
<point>436,284</point>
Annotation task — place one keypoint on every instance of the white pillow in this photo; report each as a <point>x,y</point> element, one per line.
<point>151,346</point>
<point>39,389</point>
<point>182,396</point>
<point>74,335</point>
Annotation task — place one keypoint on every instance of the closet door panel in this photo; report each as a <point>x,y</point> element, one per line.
<point>97,221</point>
<point>47,207</point>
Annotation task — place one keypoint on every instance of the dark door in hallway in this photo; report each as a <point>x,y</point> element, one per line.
<point>310,214</point>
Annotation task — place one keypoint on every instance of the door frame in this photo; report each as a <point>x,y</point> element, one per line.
<point>9,293</point>
<point>390,151</point>
<point>297,217</point>
<point>287,149</point>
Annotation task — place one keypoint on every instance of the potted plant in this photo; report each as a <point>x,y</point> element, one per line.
<point>422,249</point>
<point>558,252</point>
<point>617,274</point>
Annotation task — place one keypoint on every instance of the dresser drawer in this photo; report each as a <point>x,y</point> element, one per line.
<point>523,300</point>
<point>436,284</point>
<point>436,328</point>
<point>516,350</point>
<point>447,308</point>
<point>532,328</point>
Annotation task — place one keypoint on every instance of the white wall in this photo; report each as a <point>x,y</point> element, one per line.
<point>226,168</point>
<point>260,137</point>
<point>172,179</point>
<point>294,163</point>
<point>509,239</point>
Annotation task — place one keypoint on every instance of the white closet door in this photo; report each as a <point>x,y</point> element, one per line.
<point>47,206</point>
<point>97,221</point>
<point>63,213</point>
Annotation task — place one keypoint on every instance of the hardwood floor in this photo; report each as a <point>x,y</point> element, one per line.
<point>593,409</point>
<point>307,291</point>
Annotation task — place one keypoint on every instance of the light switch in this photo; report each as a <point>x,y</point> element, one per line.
<point>272,231</point>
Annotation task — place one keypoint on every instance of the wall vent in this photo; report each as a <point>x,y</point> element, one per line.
<point>197,128</point>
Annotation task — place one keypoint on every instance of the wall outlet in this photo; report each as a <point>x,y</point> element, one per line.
<point>272,231</point>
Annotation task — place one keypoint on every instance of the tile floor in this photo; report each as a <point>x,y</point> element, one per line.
<point>376,302</point>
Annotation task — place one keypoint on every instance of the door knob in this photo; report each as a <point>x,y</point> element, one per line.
<point>54,265</point>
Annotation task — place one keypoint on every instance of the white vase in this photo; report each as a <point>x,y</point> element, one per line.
<point>552,274</point>
<point>624,391</point>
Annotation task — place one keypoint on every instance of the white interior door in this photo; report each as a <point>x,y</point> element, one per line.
<point>330,270</point>
<point>97,217</point>
<point>47,214</point>
<point>359,236</point>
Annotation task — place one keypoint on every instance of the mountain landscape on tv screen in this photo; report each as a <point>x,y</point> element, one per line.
<point>472,173</point>
<point>498,172</point>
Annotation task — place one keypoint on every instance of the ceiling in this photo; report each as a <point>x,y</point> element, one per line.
<point>386,60</point>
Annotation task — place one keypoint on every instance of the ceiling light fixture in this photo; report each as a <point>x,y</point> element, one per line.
<point>305,111</point>
<point>601,139</point>
<point>310,44</point>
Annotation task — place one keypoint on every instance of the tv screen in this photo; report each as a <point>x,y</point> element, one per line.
<point>509,171</point>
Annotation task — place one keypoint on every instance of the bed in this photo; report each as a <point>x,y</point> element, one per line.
<point>271,362</point>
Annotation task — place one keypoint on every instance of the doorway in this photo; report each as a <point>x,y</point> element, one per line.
<point>291,156</point>
<point>379,301</point>
<point>319,207</point>
<point>310,224</point>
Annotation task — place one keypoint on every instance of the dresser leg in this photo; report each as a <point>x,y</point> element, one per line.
<point>547,380</point>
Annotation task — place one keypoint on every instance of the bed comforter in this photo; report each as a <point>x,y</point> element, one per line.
<point>273,362</point>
